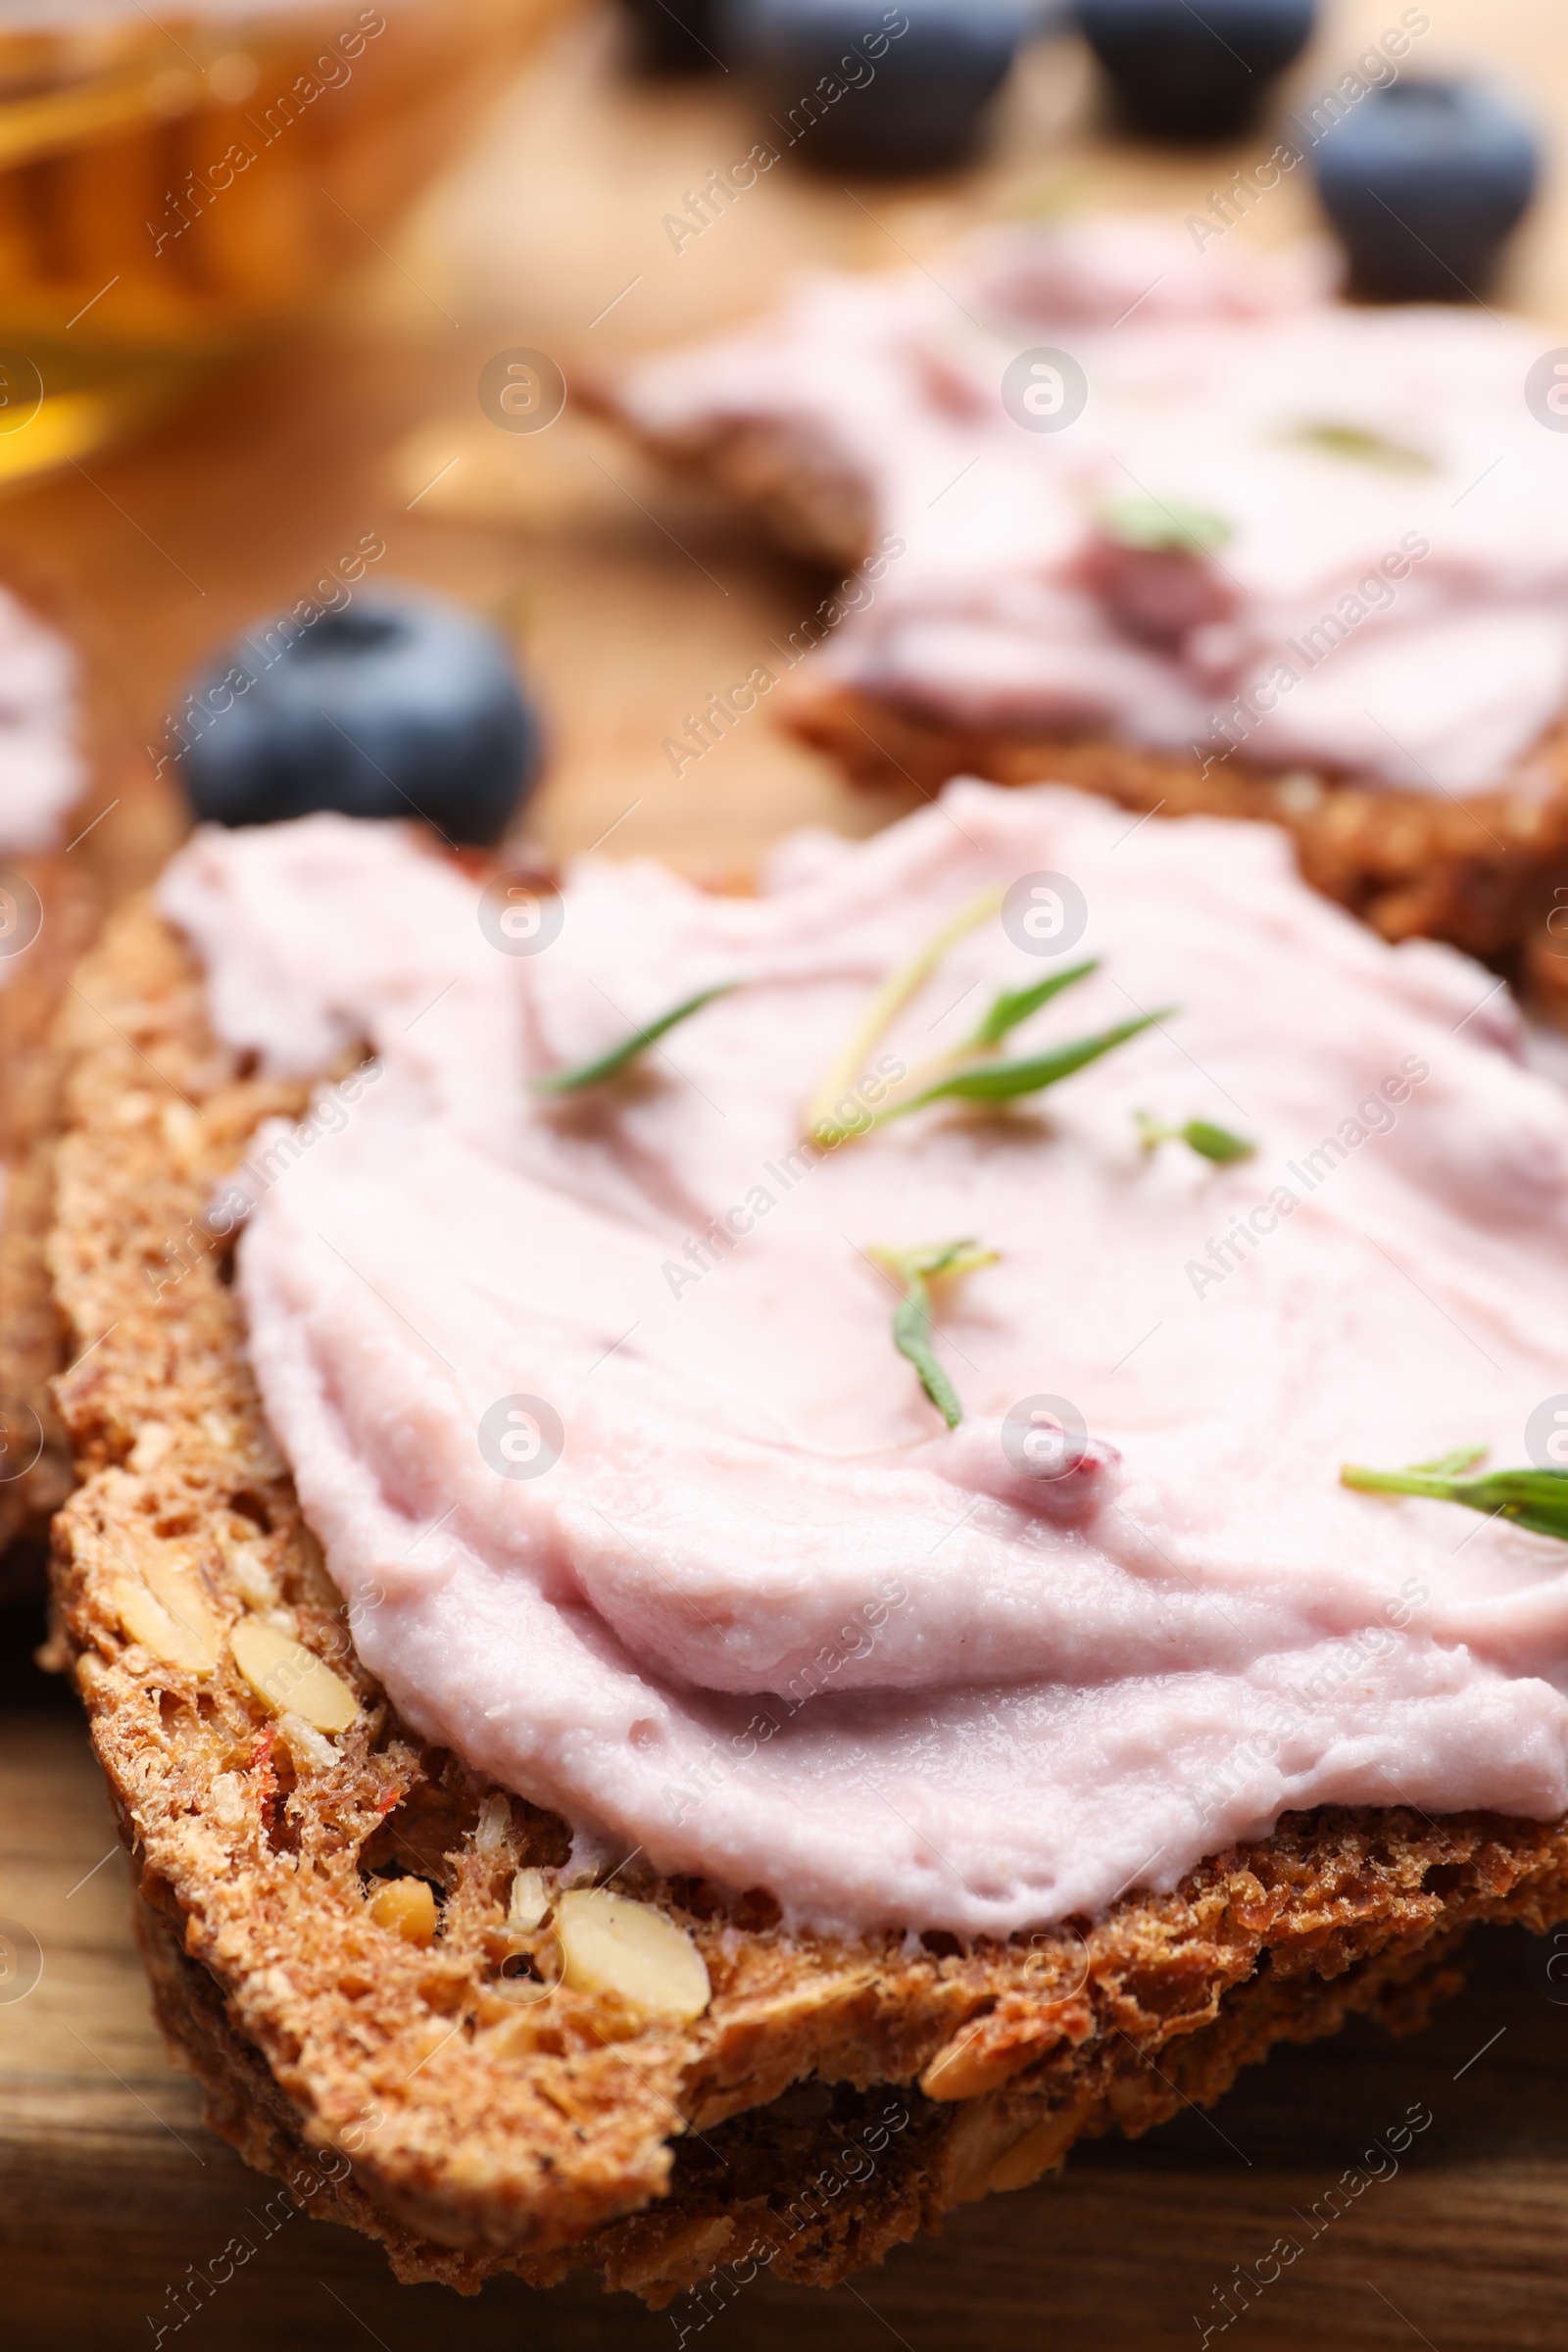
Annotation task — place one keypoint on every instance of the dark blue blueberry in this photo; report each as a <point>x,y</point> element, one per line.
<point>859,86</point>
<point>675,36</point>
<point>1424,182</point>
<point>399,705</point>
<point>1199,71</point>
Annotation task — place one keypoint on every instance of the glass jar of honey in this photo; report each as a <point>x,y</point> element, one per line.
<point>170,191</point>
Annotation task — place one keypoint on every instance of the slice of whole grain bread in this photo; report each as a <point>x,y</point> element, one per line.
<point>474,2119</point>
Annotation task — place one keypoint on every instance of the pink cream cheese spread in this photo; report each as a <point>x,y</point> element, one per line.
<point>41,770</point>
<point>595,1407</point>
<point>1367,567</point>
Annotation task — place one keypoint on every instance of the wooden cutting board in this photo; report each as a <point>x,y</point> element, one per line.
<point>631,601</point>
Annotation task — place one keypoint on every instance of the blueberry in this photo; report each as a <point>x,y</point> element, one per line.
<point>853,92</point>
<point>675,36</point>
<point>1424,182</point>
<point>398,705</point>
<point>1182,71</point>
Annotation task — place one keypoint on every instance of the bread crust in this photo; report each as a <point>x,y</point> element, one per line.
<point>29,1102</point>
<point>825,2181</point>
<point>471,2130</point>
<point>1484,873</point>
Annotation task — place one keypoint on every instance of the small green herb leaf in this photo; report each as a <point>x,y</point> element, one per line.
<point>1534,1498</point>
<point>1200,1134</point>
<point>1451,1465</point>
<point>1016,1005</point>
<point>931,1259</point>
<point>1164,524</point>
<point>912,1337</point>
<point>912,1319</point>
<point>611,1064</point>
<point>1361,447</point>
<point>1002,1081</point>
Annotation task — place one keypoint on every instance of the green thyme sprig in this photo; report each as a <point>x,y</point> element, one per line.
<point>1361,447</point>
<point>1200,1134</point>
<point>1008,1008</point>
<point>1534,1498</point>
<point>1016,1005</point>
<point>619,1057</point>
<point>917,1269</point>
<point>968,1072</point>
<point>1004,1081</point>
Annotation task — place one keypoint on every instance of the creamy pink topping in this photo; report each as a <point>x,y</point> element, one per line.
<point>41,770</point>
<point>1393,607</point>
<point>765,1618</point>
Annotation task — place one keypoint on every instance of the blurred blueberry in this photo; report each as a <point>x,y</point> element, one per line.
<point>1185,72</point>
<point>865,87</point>
<point>399,705</point>
<point>1424,182</point>
<point>675,36</point>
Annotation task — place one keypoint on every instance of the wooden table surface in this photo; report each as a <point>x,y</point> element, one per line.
<point>631,601</point>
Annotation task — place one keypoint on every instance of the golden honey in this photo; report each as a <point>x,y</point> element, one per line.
<point>170,191</point>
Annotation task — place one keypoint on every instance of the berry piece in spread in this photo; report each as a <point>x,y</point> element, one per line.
<point>1423,183</point>
<point>898,90</point>
<point>402,705</point>
<point>1180,74</point>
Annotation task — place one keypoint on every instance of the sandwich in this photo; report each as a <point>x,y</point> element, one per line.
<point>1115,502</point>
<point>754,1560</point>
